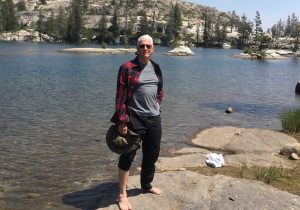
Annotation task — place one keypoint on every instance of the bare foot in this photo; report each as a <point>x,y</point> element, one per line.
<point>124,203</point>
<point>154,190</point>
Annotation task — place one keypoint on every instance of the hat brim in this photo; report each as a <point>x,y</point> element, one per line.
<point>132,138</point>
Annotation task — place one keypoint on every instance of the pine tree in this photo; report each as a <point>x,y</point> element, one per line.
<point>143,24</point>
<point>296,34</point>
<point>234,20</point>
<point>114,28</point>
<point>51,25</point>
<point>257,28</point>
<point>85,6</point>
<point>288,27</point>
<point>220,30</point>
<point>61,23</point>
<point>1,18</point>
<point>244,29</point>
<point>174,25</point>
<point>10,22</point>
<point>74,22</point>
<point>207,28</point>
<point>40,25</point>
<point>177,21</point>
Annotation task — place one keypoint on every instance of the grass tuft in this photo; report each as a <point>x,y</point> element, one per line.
<point>290,121</point>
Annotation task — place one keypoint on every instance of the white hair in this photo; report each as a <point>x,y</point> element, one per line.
<point>145,37</point>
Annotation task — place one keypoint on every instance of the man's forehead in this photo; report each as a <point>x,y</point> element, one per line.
<point>145,41</point>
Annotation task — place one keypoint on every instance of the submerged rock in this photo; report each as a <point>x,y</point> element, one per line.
<point>180,51</point>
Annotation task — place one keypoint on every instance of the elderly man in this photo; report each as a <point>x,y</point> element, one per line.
<point>138,98</point>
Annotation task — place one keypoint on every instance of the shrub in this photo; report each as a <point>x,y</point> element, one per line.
<point>290,121</point>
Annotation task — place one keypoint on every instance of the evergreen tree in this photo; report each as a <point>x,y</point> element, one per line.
<point>220,30</point>
<point>234,20</point>
<point>143,24</point>
<point>257,29</point>
<point>74,22</point>
<point>1,18</point>
<point>105,36</point>
<point>278,29</point>
<point>9,19</point>
<point>244,29</point>
<point>61,23</point>
<point>177,21</point>
<point>85,6</point>
<point>296,34</point>
<point>40,25</point>
<point>51,28</point>
<point>114,28</point>
<point>170,27</point>
<point>174,25</point>
<point>21,5</point>
<point>288,27</point>
<point>207,28</point>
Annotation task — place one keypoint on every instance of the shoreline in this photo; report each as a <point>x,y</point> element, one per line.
<point>99,50</point>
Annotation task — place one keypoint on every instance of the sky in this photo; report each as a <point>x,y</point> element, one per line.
<point>271,11</point>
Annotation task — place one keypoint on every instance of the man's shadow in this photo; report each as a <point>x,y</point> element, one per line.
<point>100,196</point>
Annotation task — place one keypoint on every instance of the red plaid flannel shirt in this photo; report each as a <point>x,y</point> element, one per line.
<point>128,75</point>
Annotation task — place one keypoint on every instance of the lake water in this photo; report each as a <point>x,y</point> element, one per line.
<point>55,108</point>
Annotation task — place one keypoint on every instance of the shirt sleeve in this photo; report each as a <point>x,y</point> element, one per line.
<point>121,96</point>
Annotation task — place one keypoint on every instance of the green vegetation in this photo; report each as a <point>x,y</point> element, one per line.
<point>131,18</point>
<point>284,179</point>
<point>8,19</point>
<point>290,121</point>
<point>254,51</point>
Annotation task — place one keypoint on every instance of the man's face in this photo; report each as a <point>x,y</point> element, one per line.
<point>145,49</point>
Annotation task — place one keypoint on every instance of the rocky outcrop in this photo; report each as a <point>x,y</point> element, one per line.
<point>180,51</point>
<point>190,190</point>
<point>268,54</point>
<point>26,35</point>
<point>21,35</point>
<point>185,189</point>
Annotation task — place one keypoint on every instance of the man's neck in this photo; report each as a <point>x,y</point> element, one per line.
<point>143,60</point>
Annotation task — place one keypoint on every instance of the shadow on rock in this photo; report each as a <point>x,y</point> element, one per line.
<point>100,196</point>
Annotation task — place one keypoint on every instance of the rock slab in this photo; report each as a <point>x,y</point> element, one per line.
<point>190,190</point>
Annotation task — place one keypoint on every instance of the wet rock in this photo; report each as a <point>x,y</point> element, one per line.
<point>297,88</point>
<point>293,156</point>
<point>229,110</point>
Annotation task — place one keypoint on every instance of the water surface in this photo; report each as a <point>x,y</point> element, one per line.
<point>55,108</point>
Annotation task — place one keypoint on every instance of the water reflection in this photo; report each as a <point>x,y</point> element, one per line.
<point>55,109</point>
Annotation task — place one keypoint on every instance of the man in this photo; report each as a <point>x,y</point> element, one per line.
<point>138,98</point>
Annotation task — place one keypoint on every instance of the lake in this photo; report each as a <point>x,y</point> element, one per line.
<point>55,109</point>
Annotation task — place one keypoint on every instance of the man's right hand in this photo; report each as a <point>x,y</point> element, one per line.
<point>122,128</point>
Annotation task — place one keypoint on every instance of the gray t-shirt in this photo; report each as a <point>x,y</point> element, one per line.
<point>143,101</point>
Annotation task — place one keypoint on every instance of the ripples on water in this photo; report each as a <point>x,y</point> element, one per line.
<point>55,109</point>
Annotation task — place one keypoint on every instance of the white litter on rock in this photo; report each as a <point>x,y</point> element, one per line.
<point>215,160</point>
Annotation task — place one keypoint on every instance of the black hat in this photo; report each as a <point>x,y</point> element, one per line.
<point>122,144</point>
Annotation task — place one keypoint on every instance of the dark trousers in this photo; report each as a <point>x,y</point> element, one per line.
<point>149,128</point>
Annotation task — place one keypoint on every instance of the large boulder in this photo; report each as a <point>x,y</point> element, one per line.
<point>242,140</point>
<point>180,51</point>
